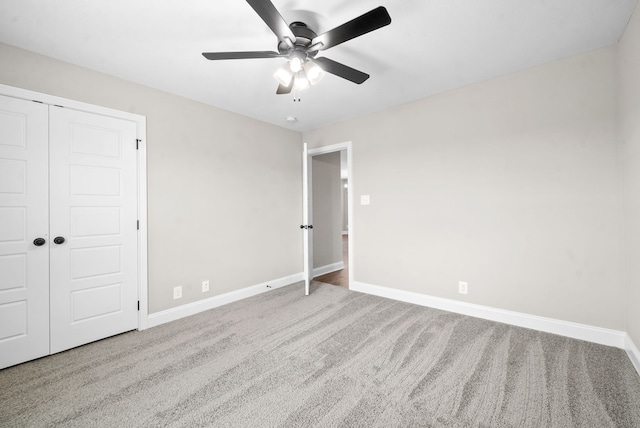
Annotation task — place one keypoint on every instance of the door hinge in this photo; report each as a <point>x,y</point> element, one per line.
<point>138,141</point>
<point>137,224</point>
<point>138,304</point>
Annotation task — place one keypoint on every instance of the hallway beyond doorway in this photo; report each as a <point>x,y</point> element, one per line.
<point>339,277</point>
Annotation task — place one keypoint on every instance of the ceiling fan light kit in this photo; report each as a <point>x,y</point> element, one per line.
<point>303,74</point>
<point>300,45</point>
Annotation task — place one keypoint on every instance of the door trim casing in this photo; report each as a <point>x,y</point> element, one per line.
<point>141,135</point>
<point>348,146</point>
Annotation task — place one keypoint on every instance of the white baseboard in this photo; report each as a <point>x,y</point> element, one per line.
<point>585,332</point>
<point>550,325</point>
<point>323,270</point>
<point>173,314</point>
<point>633,352</point>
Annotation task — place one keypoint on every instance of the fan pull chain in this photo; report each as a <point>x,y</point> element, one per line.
<point>296,95</point>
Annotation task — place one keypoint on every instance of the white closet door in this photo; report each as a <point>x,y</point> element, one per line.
<point>24,214</point>
<point>93,189</point>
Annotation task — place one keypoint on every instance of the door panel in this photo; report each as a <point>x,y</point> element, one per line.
<point>307,240</point>
<point>13,176</point>
<point>95,221</point>
<point>24,206</point>
<point>94,290</point>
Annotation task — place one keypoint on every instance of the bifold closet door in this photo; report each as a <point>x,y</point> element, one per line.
<point>93,226</point>
<point>24,225</point>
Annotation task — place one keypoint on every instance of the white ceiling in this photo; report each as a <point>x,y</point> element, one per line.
<point>430,47</point>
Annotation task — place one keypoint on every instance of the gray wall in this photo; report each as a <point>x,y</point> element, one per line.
<point>511,184</point>
<point>327,209</point>
<point>224,190</point>
<point>629,66</point>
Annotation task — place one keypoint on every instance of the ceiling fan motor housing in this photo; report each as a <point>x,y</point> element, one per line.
<point>304,36</point>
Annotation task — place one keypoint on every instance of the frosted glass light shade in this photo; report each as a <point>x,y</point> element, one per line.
<point>295,64</point>
<point>283,75</point>
<point>301,82</point>
<point>314,72</point>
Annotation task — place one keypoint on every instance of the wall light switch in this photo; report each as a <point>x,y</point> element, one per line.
<point>365,200</point>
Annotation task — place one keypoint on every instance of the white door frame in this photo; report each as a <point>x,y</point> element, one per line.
<point>308,199</point>
<point>141,126</point>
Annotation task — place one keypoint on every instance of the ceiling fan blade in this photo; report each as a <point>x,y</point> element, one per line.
<point>240,55</point>
<point>285,89</point>
<point>372,20</point>
<point>341,70</point>
<point>270,15</point>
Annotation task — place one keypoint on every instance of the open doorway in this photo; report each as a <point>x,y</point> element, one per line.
<point>328,212</point>
<point>330,187</point>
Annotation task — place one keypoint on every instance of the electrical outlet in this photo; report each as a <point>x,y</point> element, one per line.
<point>205,286</point>
<point>463,287</point>
<point>177,292</point>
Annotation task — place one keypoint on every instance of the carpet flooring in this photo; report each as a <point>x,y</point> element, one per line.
<point>336,358</point>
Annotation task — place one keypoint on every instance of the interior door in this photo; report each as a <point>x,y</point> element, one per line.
<point>24,206</point>
<point>306,219</point>
<point>93,226</point>
<point>307,204</point>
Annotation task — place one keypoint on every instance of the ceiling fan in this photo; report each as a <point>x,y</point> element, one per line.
<point>300,45</point>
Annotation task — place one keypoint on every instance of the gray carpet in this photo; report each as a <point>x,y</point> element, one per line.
<point>334,359</point>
